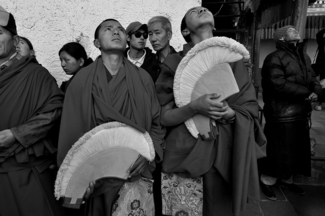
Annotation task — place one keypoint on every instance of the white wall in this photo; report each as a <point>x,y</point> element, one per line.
<point>49,24</point>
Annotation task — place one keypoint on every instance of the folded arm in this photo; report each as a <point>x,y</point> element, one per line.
<point>35,128</point>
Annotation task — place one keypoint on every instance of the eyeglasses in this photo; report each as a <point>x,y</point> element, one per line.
<point>139,34</point>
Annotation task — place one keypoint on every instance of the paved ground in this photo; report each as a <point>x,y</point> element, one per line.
<point>289,204</point>
<point>318,132</point>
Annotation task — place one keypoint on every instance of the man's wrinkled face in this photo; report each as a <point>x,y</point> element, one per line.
<point>7,43</point>
<point>198,16</point>
<point>158,36</point>
<point>291,35</point>
<point>111,36</point>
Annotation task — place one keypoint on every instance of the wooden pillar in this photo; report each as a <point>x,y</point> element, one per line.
<point>299,16</point>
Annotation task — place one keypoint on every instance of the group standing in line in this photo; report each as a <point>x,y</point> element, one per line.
<point>39,122</point>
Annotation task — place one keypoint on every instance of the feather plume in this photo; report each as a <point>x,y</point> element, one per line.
<point>99,140</point>
<point>203,57</point>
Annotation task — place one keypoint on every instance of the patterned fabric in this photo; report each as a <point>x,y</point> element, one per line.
<point>181,196</point>
<point>135,199</point>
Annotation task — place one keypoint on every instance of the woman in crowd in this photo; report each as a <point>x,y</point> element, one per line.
<point>25,47</point>
<point>73,57</point>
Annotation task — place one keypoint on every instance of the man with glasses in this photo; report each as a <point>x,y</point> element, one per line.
<point>137,53</point>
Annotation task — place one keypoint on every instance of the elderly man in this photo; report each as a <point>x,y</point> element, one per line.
<point>130,98</point>
<point>225,164</point>
<point>289,87</point>
<point>137,52</point>
<point>30,106</point>
<point>160,34</point>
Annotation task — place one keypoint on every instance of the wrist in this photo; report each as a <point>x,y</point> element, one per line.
<point>192,107</point>
<point>230,115</point>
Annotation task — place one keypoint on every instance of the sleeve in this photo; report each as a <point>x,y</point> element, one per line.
<point>274,75</point>
<point>315,85</point>
<point>35,128</point>
<point>157,131</point>
<point>165,81</point>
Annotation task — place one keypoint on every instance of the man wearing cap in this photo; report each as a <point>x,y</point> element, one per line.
<point>137,52</point>
<point>30,106</point>
<point>289,87</point>
<point>114,89</point>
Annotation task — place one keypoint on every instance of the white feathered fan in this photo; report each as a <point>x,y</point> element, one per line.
<point>108,150</point>
<point>205,69</point>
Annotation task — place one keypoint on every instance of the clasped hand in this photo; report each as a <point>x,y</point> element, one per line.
<point>7,139</point>
<point>207,105</point>
<point>312,97</point>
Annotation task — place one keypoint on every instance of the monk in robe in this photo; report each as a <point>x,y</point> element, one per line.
<point>113,89</point>
<point>30,105</point>
<point>228,164</point>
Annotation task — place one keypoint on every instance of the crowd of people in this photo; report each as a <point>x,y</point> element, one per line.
<point>40,121</point>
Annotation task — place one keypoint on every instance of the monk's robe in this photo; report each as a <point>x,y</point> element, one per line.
<point>95,97</point>
<point>30,105</point>
<point>233,153</point>
<point>65,84</point>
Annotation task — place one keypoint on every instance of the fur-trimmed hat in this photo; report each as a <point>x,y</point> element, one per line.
<point>280,32</point>
<point>7,21</point>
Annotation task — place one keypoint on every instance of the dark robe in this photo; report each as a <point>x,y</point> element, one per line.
<point>30,105</point>
<point>95,97</point>
<point>233,153</point>
<point>154,65</point>
<point>65,84</point>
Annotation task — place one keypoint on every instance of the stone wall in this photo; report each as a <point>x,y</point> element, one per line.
<point>49,24</point>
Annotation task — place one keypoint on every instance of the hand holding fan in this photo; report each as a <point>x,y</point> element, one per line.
<point>108,150</point>
<point>204,70</point>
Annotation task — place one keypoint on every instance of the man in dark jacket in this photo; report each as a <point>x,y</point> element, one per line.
<point>160,34</point>
<point>30,105</point>
<point>137,53</point>
<point>289,87</point>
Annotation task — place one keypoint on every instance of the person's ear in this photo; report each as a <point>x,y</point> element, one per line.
<point>281,38</point>
<point>185,32</point>
<point>169,35</point>
<point>32,53</point>
<point>128,38</point>
<point>81,62</point>
<point>16,40</point>
<point>96,43</point>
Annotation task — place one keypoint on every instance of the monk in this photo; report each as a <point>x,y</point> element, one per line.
<point>113,89</point>
<point>30,105</point>
<point>227,164</point>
